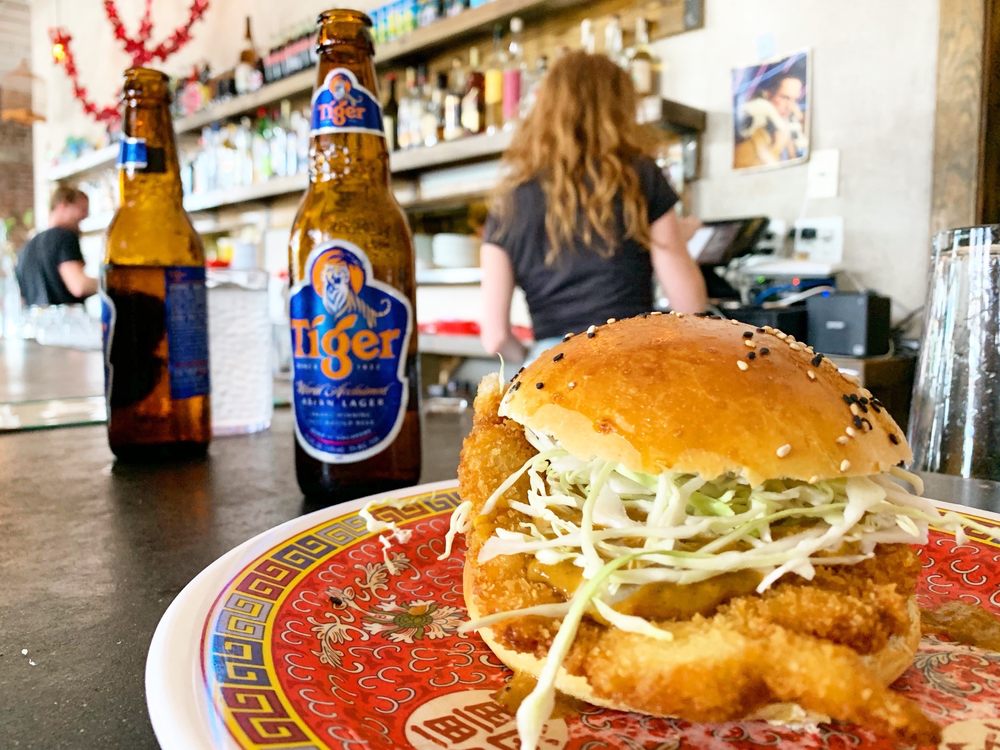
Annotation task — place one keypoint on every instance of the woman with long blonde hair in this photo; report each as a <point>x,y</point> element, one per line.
<point>583,216</point>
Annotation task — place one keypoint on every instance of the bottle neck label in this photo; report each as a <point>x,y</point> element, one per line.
<point>350,337</point>
<point>342,105</point>
<point>135,155</point>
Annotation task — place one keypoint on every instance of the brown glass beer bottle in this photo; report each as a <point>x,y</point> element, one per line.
<point>153,291</point>
<point>354,348</point>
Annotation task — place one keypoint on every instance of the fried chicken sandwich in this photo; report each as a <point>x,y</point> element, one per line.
<point>691,517</point>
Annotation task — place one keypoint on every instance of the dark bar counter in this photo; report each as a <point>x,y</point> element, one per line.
<point>93,552</point>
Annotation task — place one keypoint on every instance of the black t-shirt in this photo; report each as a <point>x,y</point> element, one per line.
<point>580,288</point>
<point>38,267</point>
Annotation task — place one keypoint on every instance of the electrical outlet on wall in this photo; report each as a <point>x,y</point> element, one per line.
<point>824,173</point>
<point>820,240</point>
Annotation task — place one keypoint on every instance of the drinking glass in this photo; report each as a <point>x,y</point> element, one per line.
<point>955,414</point>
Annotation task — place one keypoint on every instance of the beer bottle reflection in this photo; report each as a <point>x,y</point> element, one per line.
<point>354,350</point>
<point>153,291</point>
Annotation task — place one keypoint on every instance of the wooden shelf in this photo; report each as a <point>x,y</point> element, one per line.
<point>447,33</point>
<point>246,194</point>
<point>449,153</point>
<point>97,159</point>
<point>451,345</point>
<point>680,117</point>
<point>296,84</point>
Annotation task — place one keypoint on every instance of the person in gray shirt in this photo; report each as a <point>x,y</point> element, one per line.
<point>50,266</point>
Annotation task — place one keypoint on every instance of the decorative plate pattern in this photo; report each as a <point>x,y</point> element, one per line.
<point>319,643</point>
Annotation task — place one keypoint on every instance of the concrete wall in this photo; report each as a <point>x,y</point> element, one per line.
<point>873,91</point>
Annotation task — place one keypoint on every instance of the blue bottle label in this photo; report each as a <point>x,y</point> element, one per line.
<point>186,306</point>
<point>133,154</point>
<point>136,322</point>
<point>108,316</point>
<point>342,105</point>
<point>350,336</point>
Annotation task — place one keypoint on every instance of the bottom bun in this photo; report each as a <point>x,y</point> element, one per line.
<point>887,664</point>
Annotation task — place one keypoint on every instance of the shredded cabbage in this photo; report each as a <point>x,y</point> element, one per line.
<point>624,529</point>
<point>593,511</point>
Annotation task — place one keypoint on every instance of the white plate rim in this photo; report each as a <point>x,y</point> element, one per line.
<point>178,711</point>
<point>175,699</point>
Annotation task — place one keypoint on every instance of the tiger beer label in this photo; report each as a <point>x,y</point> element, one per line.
<point>135,155</point>
<point>342,105</point>
<point>350,335</point>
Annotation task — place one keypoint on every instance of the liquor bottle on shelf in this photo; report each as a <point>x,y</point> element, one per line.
<point>418,107</point>
<point>614,45</point>
<point>474,99</point>
<point>454,7</point>
<point>513,74</point>
<point>643,64</point>
<point>353,299</point>
<point>432,119</point>
<point>587,40</point>
<point>247,76</point>
<point>279,140</point>
<point>299,145</point>
<point>494,82</point>
<point>404,117</point>
<point>243,141</point>
<point>272,71</point>
<point>390,114</point>
<point>429,11</point>
<point>531,84</point>
<point>205,83</point>
<point>261,149</point>
<point>453,102</point>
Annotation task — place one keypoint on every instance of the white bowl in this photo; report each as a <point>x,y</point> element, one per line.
<point>423,247</point>
<point>456,250</point>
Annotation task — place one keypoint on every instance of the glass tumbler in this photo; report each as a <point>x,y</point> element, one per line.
<point>955,414</point>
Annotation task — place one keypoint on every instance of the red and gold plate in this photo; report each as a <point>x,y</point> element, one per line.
<point>304,638</point>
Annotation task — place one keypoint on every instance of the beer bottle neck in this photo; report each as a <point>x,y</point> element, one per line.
<point>345,156</point>
<point>148,170</point>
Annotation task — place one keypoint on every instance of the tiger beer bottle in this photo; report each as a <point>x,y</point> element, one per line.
<point>153,291</point>
<point>354,350</point>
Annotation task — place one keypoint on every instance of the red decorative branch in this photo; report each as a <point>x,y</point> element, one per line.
<point>146,23</point>
<point>135,47</point>
<point>182,35</point>
<point>62,38</point>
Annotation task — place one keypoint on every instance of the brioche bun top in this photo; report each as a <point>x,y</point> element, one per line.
<point>705,396</point>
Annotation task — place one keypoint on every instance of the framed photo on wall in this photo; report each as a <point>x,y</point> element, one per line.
<point>771,112</point>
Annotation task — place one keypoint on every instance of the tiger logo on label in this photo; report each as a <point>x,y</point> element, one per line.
<point>342,104</point>
<point>340,281</point>
<point>350,337</point>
